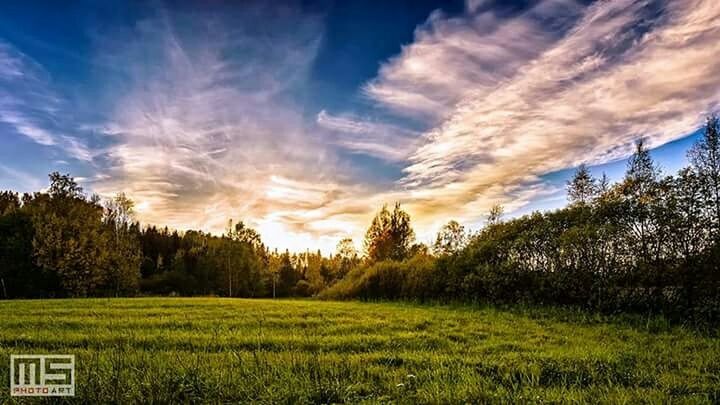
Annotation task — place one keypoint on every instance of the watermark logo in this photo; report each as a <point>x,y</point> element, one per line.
<point>42,375</point>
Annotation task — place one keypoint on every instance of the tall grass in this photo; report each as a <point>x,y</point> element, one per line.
<point>210,350</point>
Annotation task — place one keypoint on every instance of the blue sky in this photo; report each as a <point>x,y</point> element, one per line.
<point>302,118</point>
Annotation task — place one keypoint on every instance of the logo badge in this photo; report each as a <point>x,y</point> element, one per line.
<point>42,375</point>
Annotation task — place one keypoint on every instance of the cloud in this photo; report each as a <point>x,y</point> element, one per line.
<point>511,99</point>
<point>11,62</point>
<point>381,140</point>
<point>206,127</point>
<point>207,120</point>
<point>29,105</point>
<point>22,179</point>
<point>23,93</point>
<point>452,58</point>
<point>26,127</point>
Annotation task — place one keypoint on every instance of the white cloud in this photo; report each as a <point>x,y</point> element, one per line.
<point>26,127</point>
<point>206,130</point>
<point>452,58</point>
<point>512,99</point>
<point>11,63</point>
<point>388,142</point>
<point>207,125</point>
<point>23,180</point>
<point>30,106</point>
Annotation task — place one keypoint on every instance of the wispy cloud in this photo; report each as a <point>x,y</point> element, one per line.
<point>389,142</point>
<point>30,106</point>
<point>11,63</point>
<point>207,123</point>
<point>452,58</point>
<point>206,129</point>
<point>23,180</point>
<point>26,127</point>
<point>512,99</point>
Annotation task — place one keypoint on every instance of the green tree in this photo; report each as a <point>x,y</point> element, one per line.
<point>9,201</point>
<point>582,187</point>
<point>346,255</point>
<point>495,215</point>
<point>242,260</point>
<point>287,276</point>
<point>63,186</point>
<point>705,159</point>
<point>70,238</point>
<point>641,191</point>
<point>450,239</point>
<point>603,185</point>
<point>390,235</point>
<point>19,275</point>
<point>122,275</point>
<point>642,174</point>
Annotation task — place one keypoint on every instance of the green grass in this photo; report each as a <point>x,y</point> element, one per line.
<point>165,350</point>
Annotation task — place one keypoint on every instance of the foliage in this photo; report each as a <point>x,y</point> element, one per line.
<point>582,187</point>
<point>705,158</point>
<point>645,244</point>
<point>450,239</point>
<point>62,243</point>
<point>649,243</point>
<point>389,236</point>
<point>347,256</point>
<point>70,238</point>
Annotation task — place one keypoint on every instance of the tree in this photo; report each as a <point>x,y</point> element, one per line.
<point>287,276</point>
<point>495,215</point>
<point>70,238</point>
<point>19,275</point>
<point>9,201</point>
<point>119,211</point>
<point>603,185</point>
<point>682,216</point>
<point>326,273</point>
<point>581,188</point>
<point>346,249</point>
<point>245,234</point>
<point>641,192</point>
<point>390,235</point>
<point>705,159</point>
<point>125,254</point>
<point>242,260</point>
<point>450,239</point>
<point>64,186</point>
<point>641,174</point>
<point>346,255</point>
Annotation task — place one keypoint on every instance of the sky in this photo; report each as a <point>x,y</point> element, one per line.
<point>302,118</point>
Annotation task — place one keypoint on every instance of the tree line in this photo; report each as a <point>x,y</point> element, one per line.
<point>62,243</point>
<point>650,242</point>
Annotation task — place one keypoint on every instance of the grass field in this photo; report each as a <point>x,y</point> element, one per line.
<point>166,350</point>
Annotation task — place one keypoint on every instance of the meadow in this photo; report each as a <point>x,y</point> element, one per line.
<point>215,350</point>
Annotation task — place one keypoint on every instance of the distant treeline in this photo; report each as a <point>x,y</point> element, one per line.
<point>61,243</point>
<point>648,243</point>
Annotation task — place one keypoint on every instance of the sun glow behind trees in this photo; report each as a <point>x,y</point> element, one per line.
<point>649,242</point>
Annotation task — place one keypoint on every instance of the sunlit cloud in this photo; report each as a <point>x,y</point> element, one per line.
<point>207,130</point>
<point>454,57</point>
<point>381,140</point>
<point>203,116</point>
<point>521,97</point>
